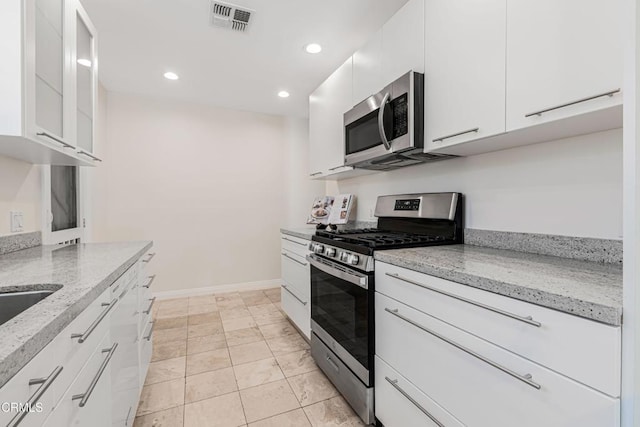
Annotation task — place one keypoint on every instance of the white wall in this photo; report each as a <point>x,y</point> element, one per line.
<point>568,187</point>
<point>206,184</point>
<point>299,189</point>
<point>20,186</point>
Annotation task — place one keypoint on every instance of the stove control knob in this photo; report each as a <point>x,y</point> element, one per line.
<point>344,256</point>
<point>318,249</point>
<point>354,259</point>
<point>311,246</point>
<point>330,252</point>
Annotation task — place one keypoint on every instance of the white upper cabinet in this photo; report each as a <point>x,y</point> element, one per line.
<point>403,42</point>
<point>464,70</point>
<point>46,97</point>
<point>367,69</point>
<point>560,52</point>
<point>327,105</point>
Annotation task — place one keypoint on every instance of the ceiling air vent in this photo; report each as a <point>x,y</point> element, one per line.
<point>230,16</point>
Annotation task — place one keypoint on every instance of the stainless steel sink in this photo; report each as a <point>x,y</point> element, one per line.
<point>14,303</point>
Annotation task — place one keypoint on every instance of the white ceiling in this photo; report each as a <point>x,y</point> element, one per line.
<point>139,40</point>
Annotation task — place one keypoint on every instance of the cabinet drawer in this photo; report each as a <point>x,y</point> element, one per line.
<point>87,402</point>
<point>400,404</point>
<point>145,348</point>
<point>479,383</point>
<point>584,350</point>
<point>297,309</point>
<point>295,244</point>
<point>296,273</point>
<point>146,301</point>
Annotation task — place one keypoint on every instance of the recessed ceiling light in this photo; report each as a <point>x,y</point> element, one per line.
<point>283,94</point>
<point>171,76</point>
<point>313,48</point>
<point>84,62</point>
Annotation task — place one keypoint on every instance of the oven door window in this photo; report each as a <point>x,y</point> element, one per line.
<point>342,310</point>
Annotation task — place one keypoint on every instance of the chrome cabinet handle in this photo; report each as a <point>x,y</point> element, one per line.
<point>286,288</point>
<point>578,101</point>
<point>83,337</point>
<point>332,363</point>
<point>395,385</point>
<point>56,139</point>
<point>442,138</point>
<point>84,397</point>
<point>148,310</point>
<point>293,259</point>
<point>337,167</point>
<point>151,255</point>
<point>527,378</point>
<point>293,241</point>
<point>148,337</point>
<point>528,320</point>
<point>46,383</point>
<point>315,173</point>
<point>383,136</point>
<point>79,151</point>
<point>149,281</point>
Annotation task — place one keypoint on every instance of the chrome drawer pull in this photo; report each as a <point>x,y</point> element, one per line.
<point>151,255</point>
<point>442,138</point>
<point>89,155</point>
<point>148,337</point>
<point>332,363</point>
<point>337,167</point>
<point>65,144</point>
<point>578,101</point>
<point>304,264</point>
<point>83,337</point>
<point>293,241</point>
<point>286,288</point>
<point>315,174</point>
<point>148,310</point>
<point>46,382</point>
<point>149,282</point>
<point>528,320</point>
<point>524,378</point>
<point>84,397</point>
<point>395,385</point>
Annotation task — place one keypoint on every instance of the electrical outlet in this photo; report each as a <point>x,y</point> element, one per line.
<point>17,222</point>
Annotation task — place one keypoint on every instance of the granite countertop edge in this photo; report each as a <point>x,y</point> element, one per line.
<point>604,313</point>
<point>20,357</point>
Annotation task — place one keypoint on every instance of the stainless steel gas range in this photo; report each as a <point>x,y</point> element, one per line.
<point>342,284</point>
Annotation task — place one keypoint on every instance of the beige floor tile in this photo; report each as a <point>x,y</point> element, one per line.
<point>167,335</point>
<point>206,343</point>
<point>229,301</point>
<point>278,329</point>
<point>257,298</point>
<point>165,370</point>
<point>234,313</point>
<point>334,412</point>
<point>268,400</point>
<point>202,299</point>
<point>287,344</point>
<point>161,396</point>
<point>205,329</point>
<point>243,336</point>
<point>164,312</point>
<point>312,387</point>
<point>269,318</point>
<point>199,319</point>
<point>295,418</point>
<point>221,411</point>
<point>207,361</point>
<point>262,309</point>
<point>257,373</point>
<point>246,353</point>
<point>202,309</point>
<point>240,323</point>
<point>296,363</point>
<point>168,350</point>
<point>170,323</point>
<point>173,303</point>
<point>168,418</point>
<point>210,384</point>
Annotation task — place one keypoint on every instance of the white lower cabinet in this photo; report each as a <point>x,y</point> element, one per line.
<point>296,282</point>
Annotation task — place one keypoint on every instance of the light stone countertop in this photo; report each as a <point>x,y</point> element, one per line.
<point>81,273</point>
<point>301,232</point>
<point>586,289</point>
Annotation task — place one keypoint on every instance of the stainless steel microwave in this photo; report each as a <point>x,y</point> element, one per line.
<point>386,130</point>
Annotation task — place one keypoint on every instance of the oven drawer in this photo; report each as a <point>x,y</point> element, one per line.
<point>295,244</point>
<point>479,383</point>
<point>296,273</point>
<point>584,350</point>
<point>400,404</point>
<point>297,307</point>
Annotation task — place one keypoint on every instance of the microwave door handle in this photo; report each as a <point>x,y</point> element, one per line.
<point>383,136</point>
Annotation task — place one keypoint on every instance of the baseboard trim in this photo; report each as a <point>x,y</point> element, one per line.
<point>232,287</point>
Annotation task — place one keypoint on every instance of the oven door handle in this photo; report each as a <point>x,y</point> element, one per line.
<point>339,271</point>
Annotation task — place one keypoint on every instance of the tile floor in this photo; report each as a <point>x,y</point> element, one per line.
<point>233,359</point>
